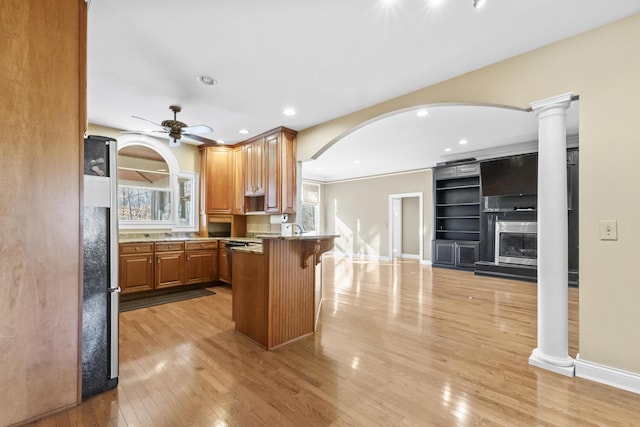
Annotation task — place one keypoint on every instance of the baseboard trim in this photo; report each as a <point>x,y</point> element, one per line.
<point>606,375</point>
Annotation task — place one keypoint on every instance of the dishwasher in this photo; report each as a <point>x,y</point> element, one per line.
<point>230,245</point>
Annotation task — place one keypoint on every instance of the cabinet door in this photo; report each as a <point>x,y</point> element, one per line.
<point>238,181</point>
<point>444,252</point>
<point>219,180</point>
<point>288,173</point>
<point>467,253</point>
<point>254,173</point>
<point>223,263</point>
<point>273,183</point>
<point>201,266</point>
<point>136,273</point>
<point>169,269</point>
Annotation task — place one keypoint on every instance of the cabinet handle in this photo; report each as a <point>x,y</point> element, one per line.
<point>136,249</point>
<point>150,260</point>
<point>188,257</point>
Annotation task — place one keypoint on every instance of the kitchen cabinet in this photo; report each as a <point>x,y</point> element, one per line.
<point>223,263</point>
<point>254,170</point>
<point>237,207</point>
<point>201,262</point>
<point>254,176</point>
<point>136,267</point>
<point>149,266</point>
<point>217,191</point>
<point>169,264</point>
<point>280,165</point>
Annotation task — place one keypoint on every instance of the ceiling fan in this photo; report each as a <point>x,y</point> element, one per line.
<point>176,129</point>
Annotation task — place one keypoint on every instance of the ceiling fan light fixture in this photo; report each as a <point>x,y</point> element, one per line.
<point>207,80</point>
<point>478,3</point>
<point>174,142</point>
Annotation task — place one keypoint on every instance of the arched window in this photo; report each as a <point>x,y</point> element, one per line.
<point>152,191</point>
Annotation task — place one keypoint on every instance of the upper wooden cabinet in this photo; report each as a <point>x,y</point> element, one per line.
<point>217,187</point>
<point>270,172</point>
<point>237,207</point>
<point>254,171</point>
<point>280,171</point>
<point>253,176</point>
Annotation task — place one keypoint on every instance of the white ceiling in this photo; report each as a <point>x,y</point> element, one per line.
<point>417,142</point>
<point>324,59</point>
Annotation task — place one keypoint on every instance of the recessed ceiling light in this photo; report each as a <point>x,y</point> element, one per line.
<point>244,131</point>
<point>357,162</point>
<point>447,150</point>
<point>422,113</point>
<point>207,80</point>
<point>219,141</point>
<point>289,112</point>
<point>463,141</point>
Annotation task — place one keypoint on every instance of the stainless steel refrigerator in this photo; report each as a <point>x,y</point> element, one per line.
<point>100,294</point>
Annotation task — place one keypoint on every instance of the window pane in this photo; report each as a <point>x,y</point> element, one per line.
<point>184,201</point>
<point>308,217</point>
<point>135,204</point>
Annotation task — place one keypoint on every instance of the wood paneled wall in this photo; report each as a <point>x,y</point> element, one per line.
<point>43,84</point>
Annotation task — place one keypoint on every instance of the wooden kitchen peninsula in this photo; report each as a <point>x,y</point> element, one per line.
<point>277,288</point>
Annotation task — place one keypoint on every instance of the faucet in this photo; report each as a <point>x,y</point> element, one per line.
<point>293,231</point>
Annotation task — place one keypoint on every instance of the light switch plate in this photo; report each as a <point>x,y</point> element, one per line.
<point>608,229</point>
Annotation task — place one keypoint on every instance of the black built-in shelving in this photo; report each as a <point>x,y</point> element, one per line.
<point>457,215</point>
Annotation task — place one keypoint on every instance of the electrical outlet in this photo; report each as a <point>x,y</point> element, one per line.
<point>608,229</point>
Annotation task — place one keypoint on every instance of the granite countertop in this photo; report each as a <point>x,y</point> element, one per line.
<point>178,237</point>
<point>252,249</point>
<point>299,237</point>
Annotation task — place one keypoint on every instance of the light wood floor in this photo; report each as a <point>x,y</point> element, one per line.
<point>398,344</point>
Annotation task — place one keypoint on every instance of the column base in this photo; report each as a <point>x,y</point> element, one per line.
<point>562,366</point>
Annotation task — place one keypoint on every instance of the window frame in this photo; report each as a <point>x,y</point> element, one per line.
<point>316,205</point>
<point>175,174</point>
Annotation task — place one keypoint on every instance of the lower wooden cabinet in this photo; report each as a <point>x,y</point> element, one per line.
<point>149,266</point>
<point>456,253</point>
<point>136,267</point>
<point>223,264</point>
<point>201,262</point>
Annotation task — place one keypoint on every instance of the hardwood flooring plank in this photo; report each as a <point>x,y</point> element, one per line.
<point>398,344</point>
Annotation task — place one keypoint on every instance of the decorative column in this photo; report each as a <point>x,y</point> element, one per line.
<point>552,352</point>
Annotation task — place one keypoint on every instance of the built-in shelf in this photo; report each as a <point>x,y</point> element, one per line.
<point>457,216</point>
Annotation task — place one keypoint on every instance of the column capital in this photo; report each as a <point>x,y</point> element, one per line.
<point>560,101</point>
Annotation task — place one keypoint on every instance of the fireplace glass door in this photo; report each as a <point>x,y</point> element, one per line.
<point>517,243</point>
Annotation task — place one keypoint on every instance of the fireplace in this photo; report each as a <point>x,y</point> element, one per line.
<point>516,242</point>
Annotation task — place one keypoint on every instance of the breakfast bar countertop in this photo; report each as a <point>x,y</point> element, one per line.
<point>178,237</point>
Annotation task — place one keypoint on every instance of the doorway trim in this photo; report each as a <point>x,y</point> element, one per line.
<point>395,198</point>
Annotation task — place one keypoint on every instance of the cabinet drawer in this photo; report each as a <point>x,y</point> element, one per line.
<point>136,248</point>
<point>169,246</point>
<point>446,173</point>
<point>202,245</point>
<point>471,169</point>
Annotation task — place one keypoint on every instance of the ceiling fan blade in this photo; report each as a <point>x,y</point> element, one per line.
<point>147,120</point>
<point>202,139</point>
<point>196,129</point>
